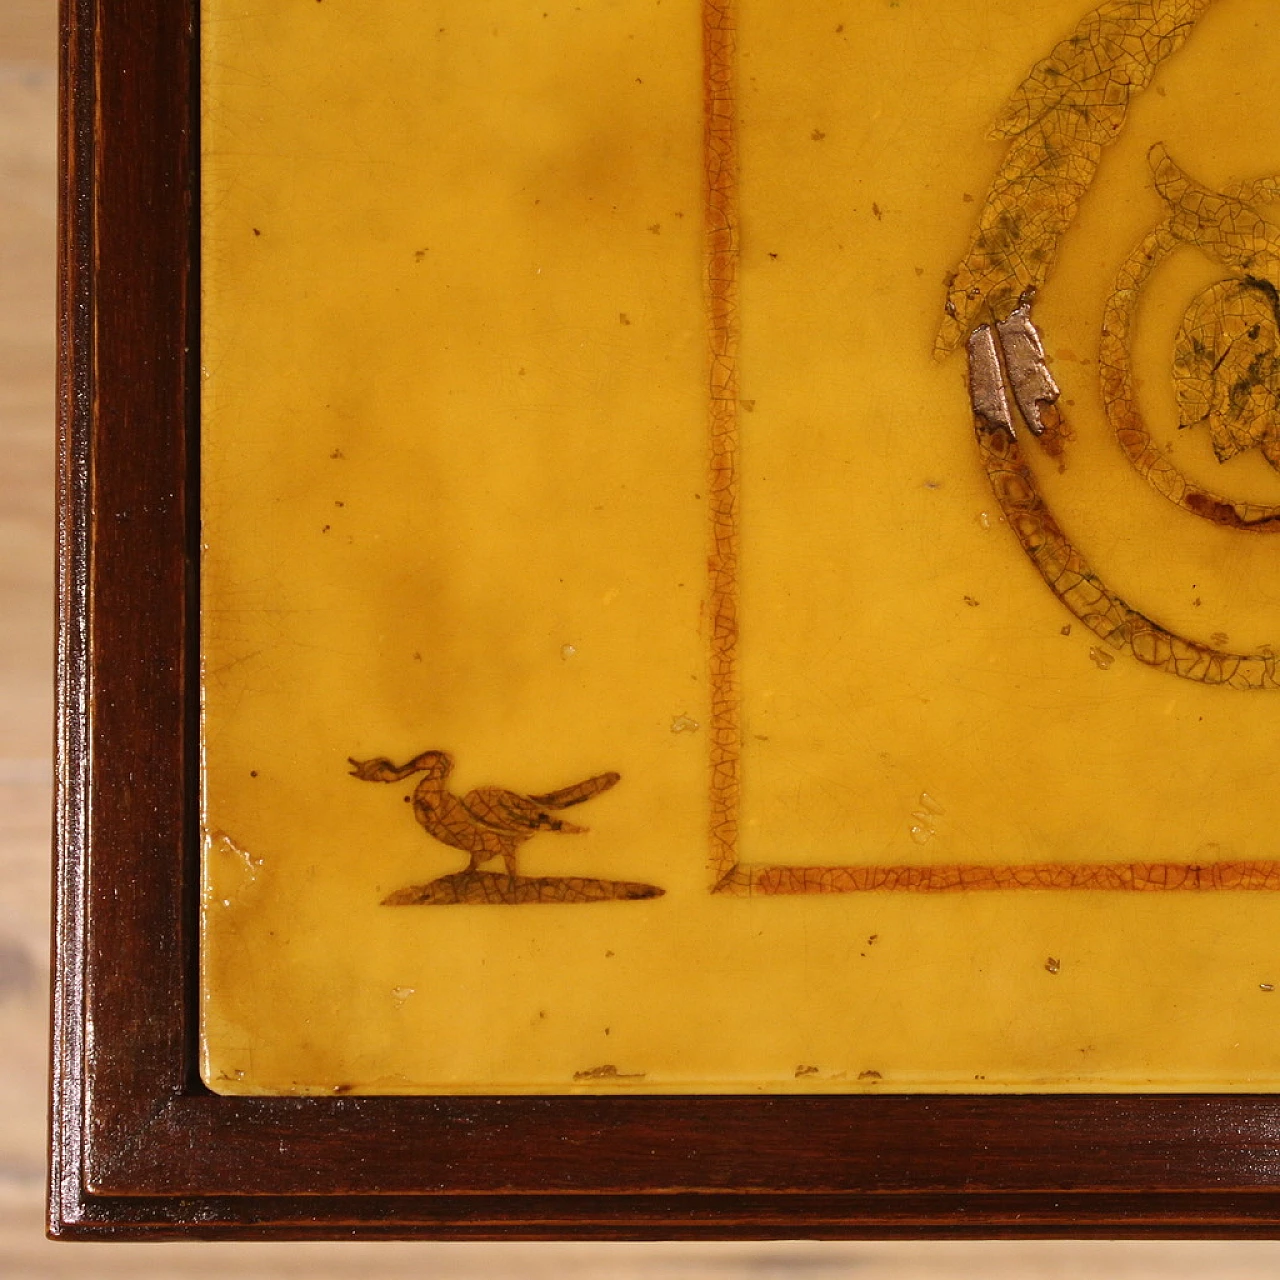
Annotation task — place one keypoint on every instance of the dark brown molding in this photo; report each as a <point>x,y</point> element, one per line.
<point>140,1149</point>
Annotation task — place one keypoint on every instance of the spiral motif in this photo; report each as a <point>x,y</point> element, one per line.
<point>1227,363</point>
<point>1225,378</point>
<point>1073,580</point>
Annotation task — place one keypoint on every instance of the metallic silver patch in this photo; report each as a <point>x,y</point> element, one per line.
<point>1029,377</point>
<point>986,381</point>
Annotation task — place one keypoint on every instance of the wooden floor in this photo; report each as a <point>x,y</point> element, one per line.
<point>27,172</point>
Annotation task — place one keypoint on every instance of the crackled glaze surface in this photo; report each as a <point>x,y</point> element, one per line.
<point>590,462</point>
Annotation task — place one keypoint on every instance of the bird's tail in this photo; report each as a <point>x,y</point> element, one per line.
<point>569,796</point>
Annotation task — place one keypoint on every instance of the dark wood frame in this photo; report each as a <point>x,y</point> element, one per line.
<point>141,1149</point>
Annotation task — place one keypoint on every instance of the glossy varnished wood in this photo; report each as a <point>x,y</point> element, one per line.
<point>141,1149</point>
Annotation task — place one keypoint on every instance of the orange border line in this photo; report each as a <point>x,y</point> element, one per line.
<point>721,170</point>
<point>1137,877</point>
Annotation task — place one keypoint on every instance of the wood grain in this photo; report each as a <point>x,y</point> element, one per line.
<point>140,1150</point>
<point>27,183</point>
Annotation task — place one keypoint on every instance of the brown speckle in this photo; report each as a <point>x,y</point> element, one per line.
<point>748,405</point>
<point>817,135</point>
<point>1220,639</point>
<point>1052,965</point>
<point>607,1072</point>
<point>806,1071</point>
<point>869,1075</point>
<point>971,602</point>
<point>1066,631</point>
<point>656,229</point>
<point>623,318</point>
<point>337,455</point>
<point>877,212</point>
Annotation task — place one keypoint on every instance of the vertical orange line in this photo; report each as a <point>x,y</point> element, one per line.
<point>721,164</point>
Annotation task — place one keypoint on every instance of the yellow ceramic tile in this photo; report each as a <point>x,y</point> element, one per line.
<point>738,545</point>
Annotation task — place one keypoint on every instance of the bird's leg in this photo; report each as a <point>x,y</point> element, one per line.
<point>479,857</point>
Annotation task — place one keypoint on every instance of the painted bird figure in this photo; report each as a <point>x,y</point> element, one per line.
<point>488,822</point>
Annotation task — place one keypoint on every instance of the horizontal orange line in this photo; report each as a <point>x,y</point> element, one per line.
<point>1139,877</point>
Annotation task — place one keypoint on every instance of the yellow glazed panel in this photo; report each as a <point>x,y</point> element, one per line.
<point>739,545</point>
